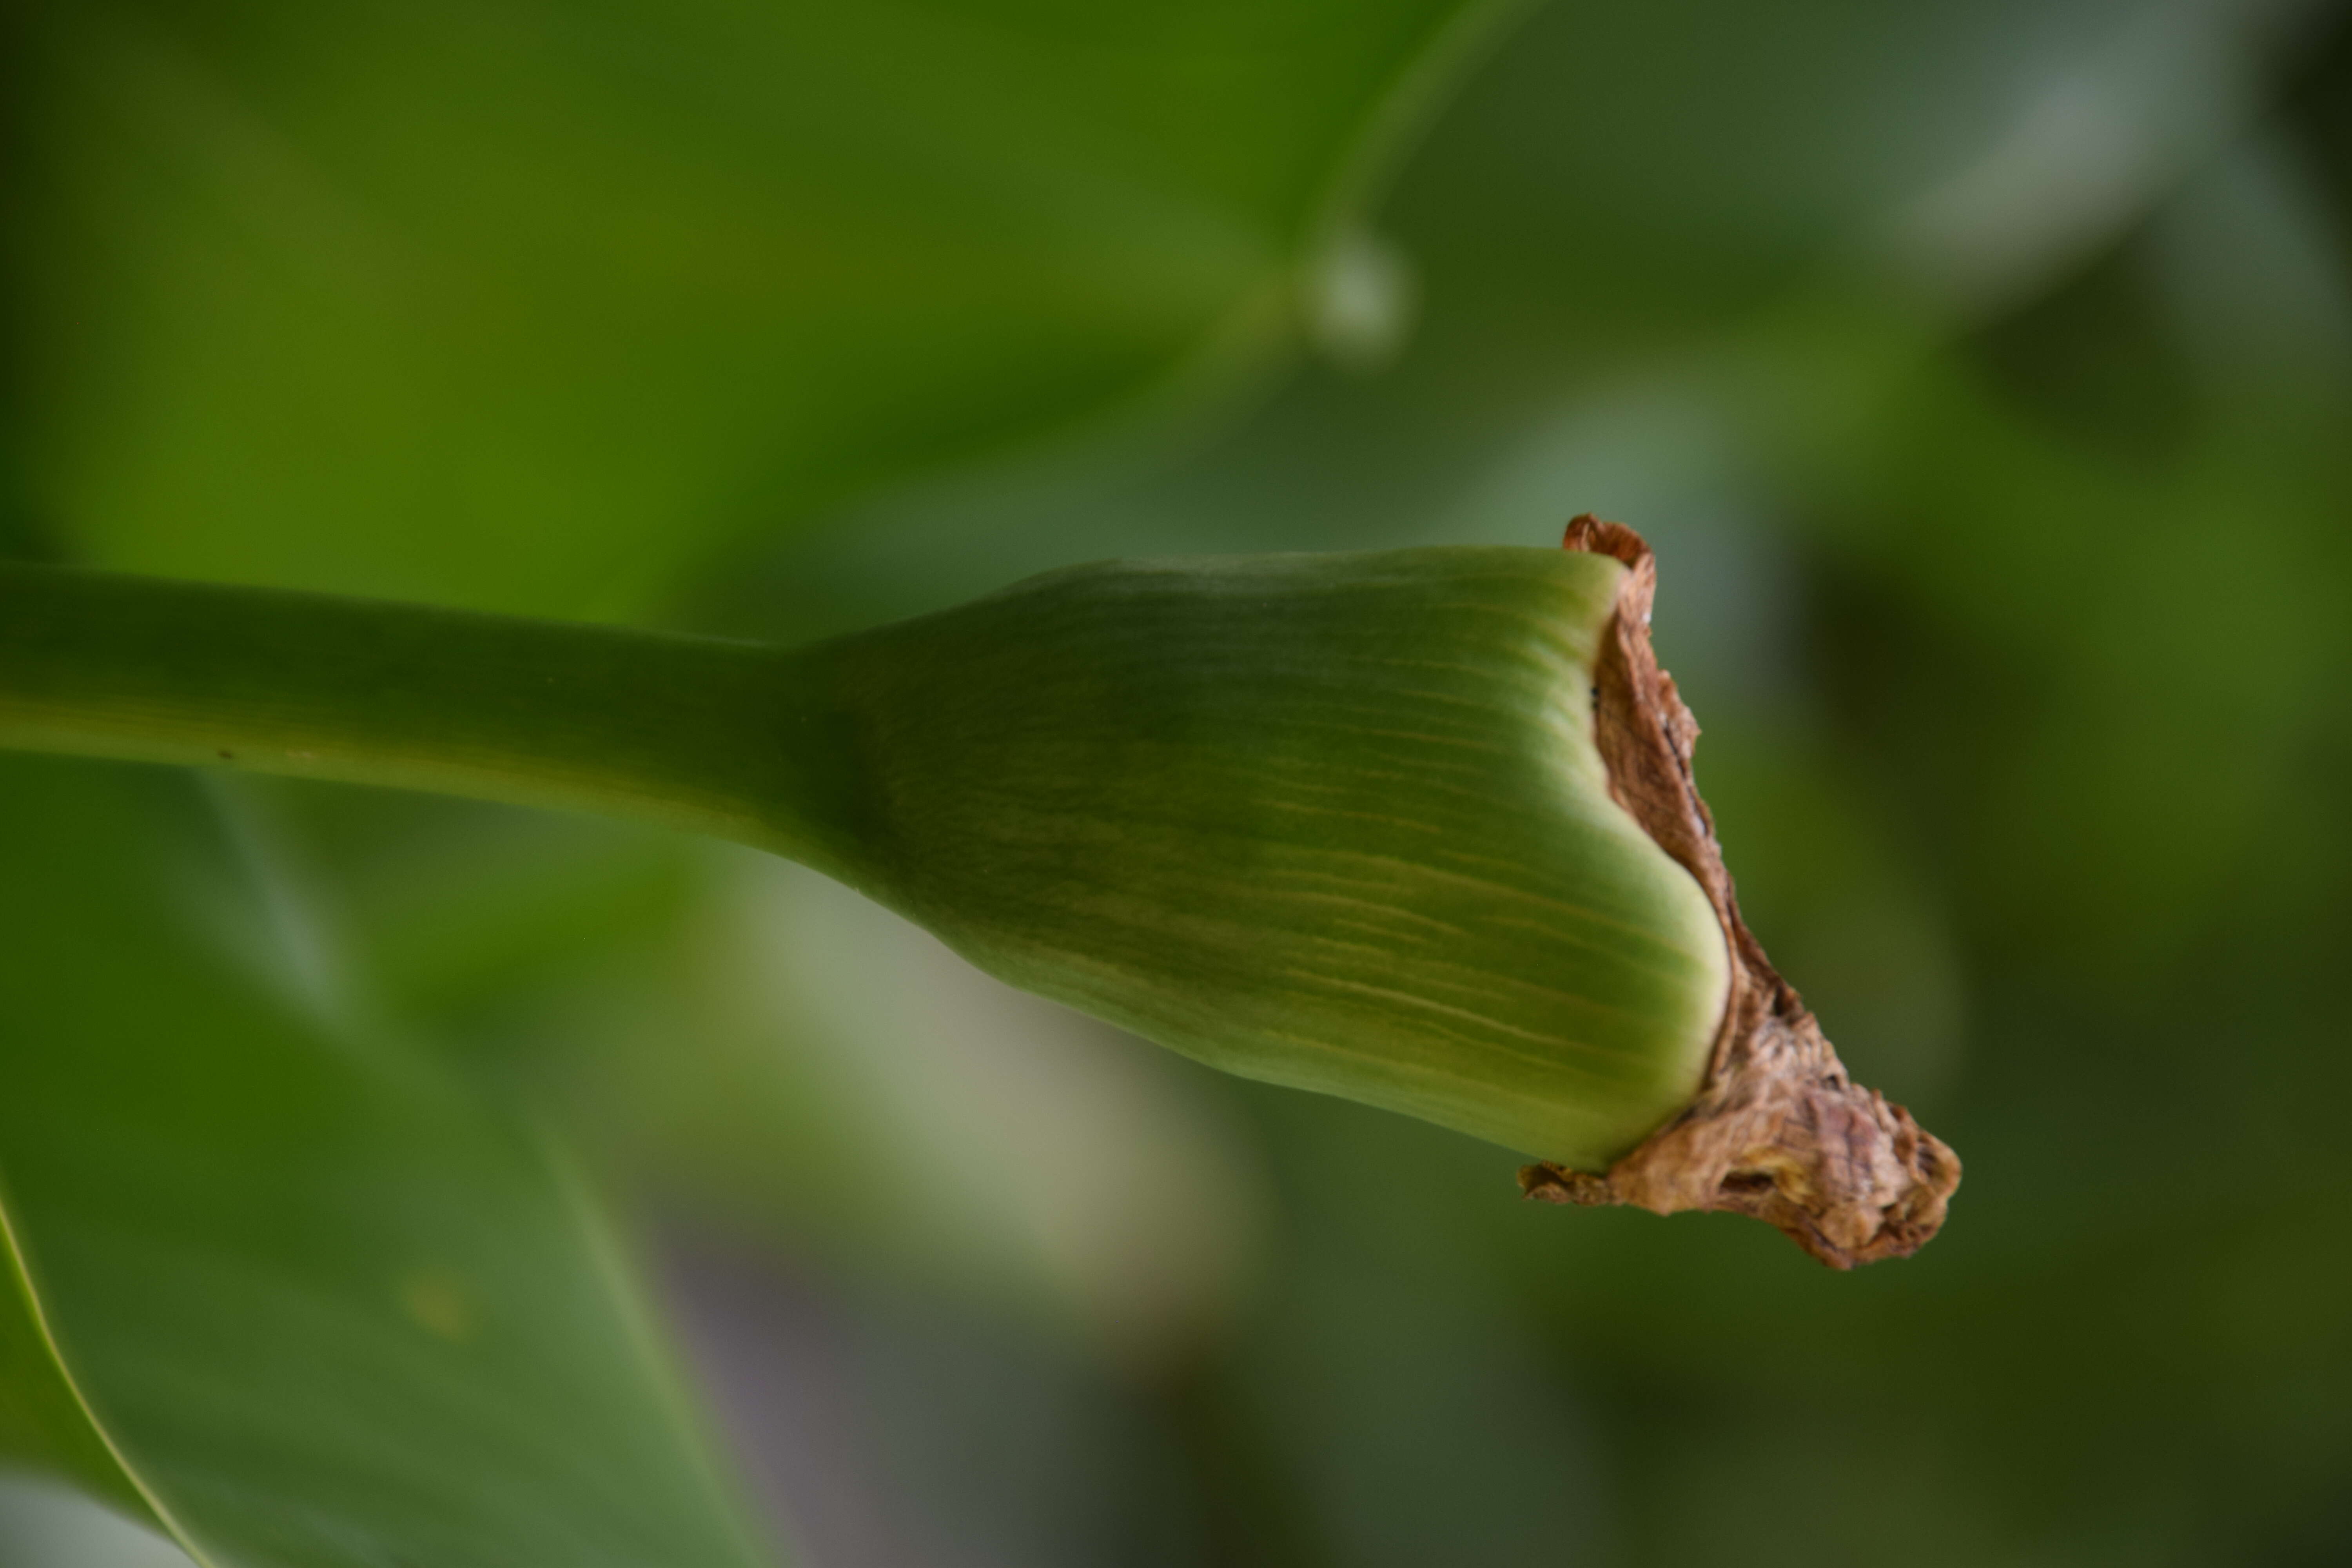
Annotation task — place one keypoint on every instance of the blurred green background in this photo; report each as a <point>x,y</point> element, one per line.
<point>1981,371</point>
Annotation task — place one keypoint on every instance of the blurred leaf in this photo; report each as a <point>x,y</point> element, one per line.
<point>533,304</point>
<point>324,1307</point>
<point>1608,201</point>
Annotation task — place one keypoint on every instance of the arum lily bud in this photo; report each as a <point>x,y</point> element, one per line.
<point>1414,827</point>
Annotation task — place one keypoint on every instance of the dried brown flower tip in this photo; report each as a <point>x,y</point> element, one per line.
<point>1777,1129</point>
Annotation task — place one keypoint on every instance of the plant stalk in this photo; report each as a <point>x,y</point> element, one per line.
<point>699,733</point>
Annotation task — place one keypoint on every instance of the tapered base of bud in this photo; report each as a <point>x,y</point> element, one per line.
<point>1777,1130</point>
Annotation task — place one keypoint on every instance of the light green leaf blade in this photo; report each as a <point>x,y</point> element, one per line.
<point>532,306</point>
<point>327,1307</point>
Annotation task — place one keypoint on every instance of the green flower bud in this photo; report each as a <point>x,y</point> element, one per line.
<point>1413,827</point>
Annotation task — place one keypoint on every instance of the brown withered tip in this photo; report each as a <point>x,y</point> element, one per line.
<point>1776,1130</point>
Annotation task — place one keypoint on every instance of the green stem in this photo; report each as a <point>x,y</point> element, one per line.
<point>725,738</point>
